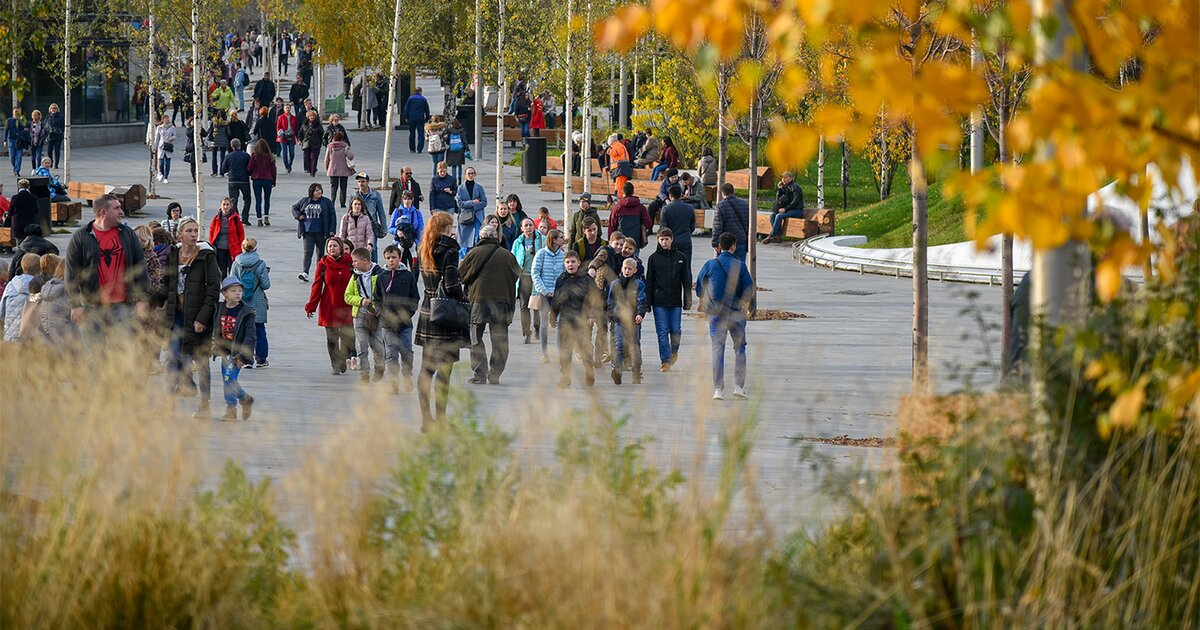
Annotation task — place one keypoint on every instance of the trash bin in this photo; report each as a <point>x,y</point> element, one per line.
<point>533,163</point>
<point>40,187</point>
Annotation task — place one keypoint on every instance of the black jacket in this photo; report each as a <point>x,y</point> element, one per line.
<point>298,93</point>
<point>789,197</point>
<point>83,264</point>
<point>31,244</point>
<point>411,185</point>
<point>23,209</point>
<point>576,298</point>
<point>244,334</point>
<point>264,91</point>
<point>236,167</point>
<point>200,289</point>
<point>239,130</point>
<point>398,298</point>
<point>668,280</point>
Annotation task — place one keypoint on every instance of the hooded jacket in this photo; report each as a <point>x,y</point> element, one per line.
<point>547,267</point>
<point>328,295</point>
<point>315,217</point>
<point>397,295</point>
<point>201,288</point>
<point>575,231</point>
<point>245,335</point>
<point>576,298</point>
<point>707,170</point>
<point>357,229</point>
<point>630,217</point>
<point>335,159</point>
<point>251,261</point>
<point>518,247</point>
<point>357,289</point>
<point>722,285</point>
<point>12,305</point>
<point>237,232</point>
<point>627,300</point>
<point>668,279</point>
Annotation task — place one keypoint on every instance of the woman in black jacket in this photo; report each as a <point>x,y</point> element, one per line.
<point>311,135</point>
<point>264,128</point>
<point>439,345</point>
<point>191,285</point>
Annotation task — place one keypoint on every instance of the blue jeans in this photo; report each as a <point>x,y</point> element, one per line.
<point>437,157</point>
<point>164,166</point>
<point>544,330</point>
<point>289,154</point>
<point>525,129</point>
<point>778,217</point>
<point>15,156</point>
<point>229,383</point>
<point>241,94</point>
<point>262,197</point>
<point>633,343</point>
<point>739,251</point>
<point>735,326</point>
<point>657,171</point>
<point>36,155</point>
<point>218,156</point>
<point>398,350</point>
<point>668,324</point>
<point>457,171</point>
<point>416,137</point>
<point>260,342</point>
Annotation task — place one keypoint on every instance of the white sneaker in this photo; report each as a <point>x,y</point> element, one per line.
<point>740,393</point>
<point>166,181</point>
<point>158,177</point>
<point>718,394</point>
<point>303,276</point>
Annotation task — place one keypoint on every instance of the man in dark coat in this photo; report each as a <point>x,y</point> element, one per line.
<point>732,216</point>
<point>416,112</point>
<point>106,269</point>
<point>264,90</point>
<point>23,208</point>
<point>490,273</point>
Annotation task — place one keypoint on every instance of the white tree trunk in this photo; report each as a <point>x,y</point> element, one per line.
<point>502,86</point>
<point>391,106</point>
<point>197,111</point>
<point>478,132</point>
<point>920,273</point>
<point>820,172</point>
<point>150,110</point>
<point>585,160</point>
<point>722,127</point>
<point>752,198</point>
<point>623,95</point>
<point>66,157</point>
<point>568,176</point>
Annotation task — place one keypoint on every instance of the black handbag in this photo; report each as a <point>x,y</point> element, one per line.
<point>447,312</point>
<point>169,147</point>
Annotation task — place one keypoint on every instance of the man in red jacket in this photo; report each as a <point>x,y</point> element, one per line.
<point>630,217</point>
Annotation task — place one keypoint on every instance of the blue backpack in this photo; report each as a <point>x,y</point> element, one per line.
<point>249,279</point>
<point>456,143</point>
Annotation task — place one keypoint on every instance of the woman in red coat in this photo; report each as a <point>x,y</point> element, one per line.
<point>537,120</point>
<point>225,234</point>
<point>328,297</point>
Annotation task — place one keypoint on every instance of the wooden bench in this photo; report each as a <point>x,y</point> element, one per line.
<point>133,197</point>
<point>65,211</point>
<point>6,238</point>
<point>554,163</point>
<point>816,221</point>
<point>741,178</point>
<point>512,135</point>
<point>87,191</point>
<point>554,184</point>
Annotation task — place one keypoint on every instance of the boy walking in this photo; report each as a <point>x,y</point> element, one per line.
<point>577,305</point>
<point>627,303</point>
<point>668,293</point>
<point>724,289</point>
<point>367,331</point>
<point>233,343</point>
<point>397,296</point>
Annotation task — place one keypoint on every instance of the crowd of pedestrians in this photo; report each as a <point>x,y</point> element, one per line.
<point>388,277</point>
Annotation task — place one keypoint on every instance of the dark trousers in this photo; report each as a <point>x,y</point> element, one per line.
<point>573,337</point>
<point>479,359</point>
<point>241,191</point>
<point>339,340</point>
<point>437,362</point>
<point>260,342</point>
<point>313,242</point>
<point>218,156</point>
<point>599,331</point>
<point>336,182</point>
<point>686,250</point>
<point>54,150</point>
<point>262,198</point>
<point>185,354</point>
<point>416,137</point>
<point>310,160</point>
<point>224,261</point>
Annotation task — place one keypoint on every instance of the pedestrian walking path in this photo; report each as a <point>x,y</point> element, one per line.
<point>839,370</point>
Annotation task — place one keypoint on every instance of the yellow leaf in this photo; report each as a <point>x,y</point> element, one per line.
<point>621,31</point>
<point>791,146</point>
<point>1127,407</point>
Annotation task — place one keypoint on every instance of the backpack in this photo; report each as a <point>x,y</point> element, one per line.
<point>406,232</point>
<point>456,142</point>
<point>249,279</point>
<point>631,225</point>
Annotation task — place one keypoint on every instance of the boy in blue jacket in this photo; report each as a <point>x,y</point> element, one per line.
<point>724,289</point>
<point>627,307</point>
<point>406,227</point>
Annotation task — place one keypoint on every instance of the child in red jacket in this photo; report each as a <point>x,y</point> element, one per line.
<point>226,234</point>
<point>328,299</point>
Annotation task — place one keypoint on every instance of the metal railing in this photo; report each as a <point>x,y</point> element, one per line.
<point>804,253</point>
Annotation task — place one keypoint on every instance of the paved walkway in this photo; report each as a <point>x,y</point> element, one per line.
<point>840,370</point>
